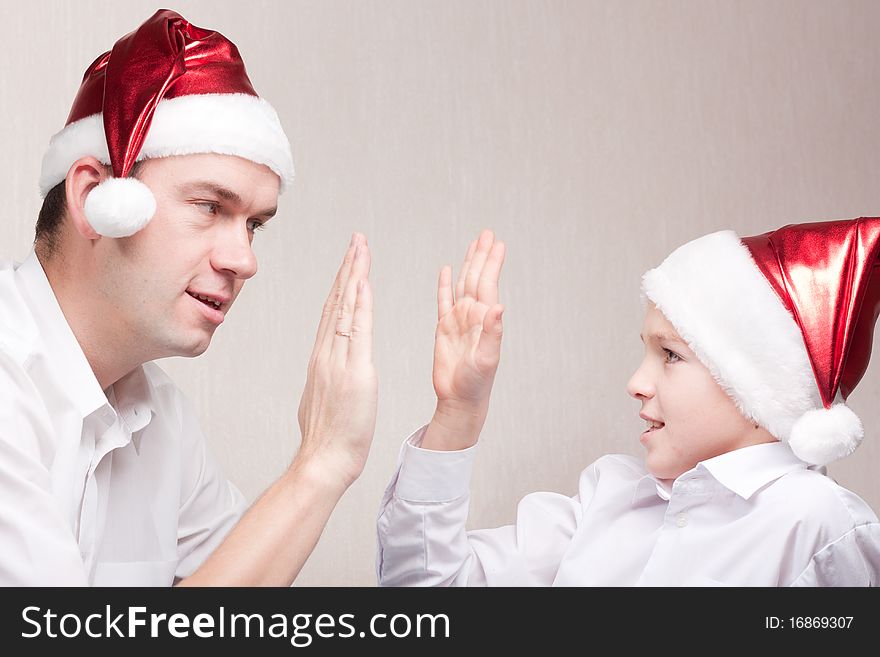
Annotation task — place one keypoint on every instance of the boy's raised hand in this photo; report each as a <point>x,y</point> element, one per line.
<point>467,346</point>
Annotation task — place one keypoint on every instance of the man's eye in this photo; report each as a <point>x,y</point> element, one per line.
<point>254,225</point>
<point>211,207</point>
<point>671,356</point>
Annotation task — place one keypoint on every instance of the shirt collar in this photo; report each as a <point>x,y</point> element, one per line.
<point>135,405</point>
<point>745,471</point>
<point>649,489</point>
<point>742,471</point>
<point>73,369</point>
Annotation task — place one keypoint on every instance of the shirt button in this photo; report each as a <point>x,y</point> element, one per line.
<point>681,520</point>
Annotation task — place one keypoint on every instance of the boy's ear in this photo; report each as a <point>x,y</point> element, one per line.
<point>83,176</point>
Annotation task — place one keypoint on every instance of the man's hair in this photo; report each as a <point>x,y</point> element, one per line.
<point>49,221</point>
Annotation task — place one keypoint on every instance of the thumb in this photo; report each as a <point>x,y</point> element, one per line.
<point>489,345</point>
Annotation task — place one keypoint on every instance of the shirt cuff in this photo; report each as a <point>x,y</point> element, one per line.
<point>428,475</point>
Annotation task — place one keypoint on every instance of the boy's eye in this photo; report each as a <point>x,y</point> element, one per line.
<point>671,356</point>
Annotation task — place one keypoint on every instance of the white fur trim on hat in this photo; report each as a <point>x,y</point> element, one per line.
<point>119,207</point>
<point>721,304</point>
<point>228,124</point>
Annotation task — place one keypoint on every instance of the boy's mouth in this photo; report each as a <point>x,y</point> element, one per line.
<point>653,425</point>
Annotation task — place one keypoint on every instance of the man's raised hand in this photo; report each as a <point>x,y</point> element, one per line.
<point>337,413</point>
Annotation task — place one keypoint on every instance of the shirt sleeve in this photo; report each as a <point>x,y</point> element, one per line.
<point>851,560</point>
<point>37,547</point>
<point>210,505</point>
<point>422,540</point>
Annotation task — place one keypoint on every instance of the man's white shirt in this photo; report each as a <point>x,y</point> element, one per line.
<point>757,516</point>
<point>112,488</point>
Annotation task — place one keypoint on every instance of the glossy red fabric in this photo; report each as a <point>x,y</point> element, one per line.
<point>166,57</point>
<point>827,276</point>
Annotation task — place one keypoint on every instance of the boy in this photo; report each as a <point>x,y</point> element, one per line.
<point>750,348</point>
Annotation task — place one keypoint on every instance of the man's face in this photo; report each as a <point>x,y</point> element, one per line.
<point>170,285</point>
<point>689,418</point>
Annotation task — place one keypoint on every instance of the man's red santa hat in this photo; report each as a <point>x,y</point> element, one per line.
<point>784,321</point>
<point>168,88</point>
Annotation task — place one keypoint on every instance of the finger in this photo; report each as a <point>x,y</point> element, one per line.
<point>342,328</point>
<point>360,268</point>
<point>444,292</point>
<point>489,345</point>
<point>332,302</point>
<point>487,286</point>
<point>361,348</point>
<point>459,286</point>
<point>484,245</point>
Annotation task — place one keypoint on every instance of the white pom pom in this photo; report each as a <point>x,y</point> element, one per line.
<point>120,207</point>
<point>824,435</point>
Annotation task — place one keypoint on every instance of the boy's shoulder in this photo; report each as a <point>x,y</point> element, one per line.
<point>617,464</point>
<point>809,496</point>
<point>622,463</point>
<point>610,468</point>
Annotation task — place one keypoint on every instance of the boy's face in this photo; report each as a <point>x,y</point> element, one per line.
<point>689,418</point>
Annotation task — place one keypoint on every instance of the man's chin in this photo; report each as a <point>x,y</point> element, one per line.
<point>199,350</point>
<point>191,348</point>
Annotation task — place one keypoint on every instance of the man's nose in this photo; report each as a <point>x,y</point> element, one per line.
<point>233,253</point>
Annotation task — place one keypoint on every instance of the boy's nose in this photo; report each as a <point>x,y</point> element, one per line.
<point>639,385</point>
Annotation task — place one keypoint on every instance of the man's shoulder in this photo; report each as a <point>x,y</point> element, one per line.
<point>18,331</point>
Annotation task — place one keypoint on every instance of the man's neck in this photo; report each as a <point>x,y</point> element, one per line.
<point>92,325</point>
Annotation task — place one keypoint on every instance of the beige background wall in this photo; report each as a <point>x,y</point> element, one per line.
<point>594,137</point>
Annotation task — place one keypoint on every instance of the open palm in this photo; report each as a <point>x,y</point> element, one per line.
<point>467,345</point>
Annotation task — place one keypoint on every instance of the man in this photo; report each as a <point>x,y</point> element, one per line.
<point>168,164</point>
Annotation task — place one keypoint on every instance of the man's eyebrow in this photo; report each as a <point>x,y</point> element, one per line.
<point>203,186</point>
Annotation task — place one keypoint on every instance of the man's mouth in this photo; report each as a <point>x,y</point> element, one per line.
<point>212,302</point>
<point>213,306</point>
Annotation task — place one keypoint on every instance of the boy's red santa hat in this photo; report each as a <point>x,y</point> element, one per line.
<point>168,88</point>
<point>784,321</point>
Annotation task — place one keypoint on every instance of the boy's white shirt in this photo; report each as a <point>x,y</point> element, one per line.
<point>112,490</point>
<point>757,516</point>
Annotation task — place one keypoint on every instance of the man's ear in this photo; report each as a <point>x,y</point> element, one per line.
<point>83,176</point>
